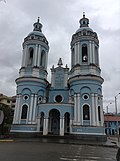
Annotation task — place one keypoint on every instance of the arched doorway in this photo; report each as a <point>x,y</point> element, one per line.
<point>67,122</point>
<point>54,122</point>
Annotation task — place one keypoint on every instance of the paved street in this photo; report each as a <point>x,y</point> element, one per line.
<point>36,151</point>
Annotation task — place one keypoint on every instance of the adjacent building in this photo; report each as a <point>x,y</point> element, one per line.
<point>112,124</point>
<point>72,103</point>
<point>8,101</point>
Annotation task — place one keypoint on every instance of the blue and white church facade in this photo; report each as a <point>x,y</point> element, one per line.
<point>72,103</point>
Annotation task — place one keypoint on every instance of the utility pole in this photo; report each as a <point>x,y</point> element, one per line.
<point>116,111</point>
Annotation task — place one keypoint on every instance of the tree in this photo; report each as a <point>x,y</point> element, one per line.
<point>7,121</point>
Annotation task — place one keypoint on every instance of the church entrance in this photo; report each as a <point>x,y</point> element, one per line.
<point>54,122</point>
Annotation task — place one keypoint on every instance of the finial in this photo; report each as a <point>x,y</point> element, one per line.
<point>38,19</point>
<point>83,14</point>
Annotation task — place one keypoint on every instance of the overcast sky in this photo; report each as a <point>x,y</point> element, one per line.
<point>60,19</point>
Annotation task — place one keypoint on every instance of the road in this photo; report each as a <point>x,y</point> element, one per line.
<point>36,151</point>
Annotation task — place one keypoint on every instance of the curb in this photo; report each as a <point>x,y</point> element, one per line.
<point>9,140</point>
<point>60,141</point>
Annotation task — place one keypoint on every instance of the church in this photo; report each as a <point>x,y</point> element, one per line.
<point>72,103</point>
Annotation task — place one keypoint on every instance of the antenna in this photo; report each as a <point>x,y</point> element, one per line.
<point>1,116</point>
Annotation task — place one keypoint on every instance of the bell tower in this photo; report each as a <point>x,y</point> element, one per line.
<point>35,53</point>
<point>84,50</point>
<point>85,81</point>
<point>32,81</point>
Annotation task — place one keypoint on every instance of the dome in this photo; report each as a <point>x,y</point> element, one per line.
<point>37,29</point>
<point>84,28</point>
<point>84,24</point>
<point>38,33</point>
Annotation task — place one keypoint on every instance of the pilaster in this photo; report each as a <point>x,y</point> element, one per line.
<point>62,126</point>
<point>45,126</point>
<point>38,58</point>
<point>93,110</point>
<point>30,109</point>
<point>34,109</point>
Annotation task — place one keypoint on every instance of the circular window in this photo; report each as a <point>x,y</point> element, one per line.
<point>58,98</point>
<point>40,99</point>
<point>85,96</point>
<point>25,97</point>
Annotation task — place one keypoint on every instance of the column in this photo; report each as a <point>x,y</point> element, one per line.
<point>23,58</point>
<point>35,55</point>
<point>34,109</point>
<point>19,110</point>
<point>52,78</point>
<point>46,59</point>
<point>45,126</point>
<point>90,50</point>
<point>44,100</point>
<point>93,111</point>
<point>78,111</point>
<point>66,78</point>
<point>38,123</point>
<point>75,54</point>
<point>101,112</point>
<point>78,53</point>
<point>96,107</point>
<point>75,110</point>
<point>62,126</point>
<point>71,122</point>
<point>30,109</point>
<point>15,112</point>
<point>93,52</point>
<point>24,63</point>
<point>39,56</point>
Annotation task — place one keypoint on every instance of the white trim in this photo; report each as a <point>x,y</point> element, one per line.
<point>75,108</point>
<point>34,109</point>
<point>38,58</point>
<point>89,112</point>
<point>78,119</point>
<point>93,110</point>
<point>30,109</point>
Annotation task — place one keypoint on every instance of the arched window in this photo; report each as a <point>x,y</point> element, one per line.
<point>84,53</point>
<point>30,56</point>
<point>99,115</point>
<point>24,112</point>
<point>86,112</point>
<point>73,57</point>
<point>42,62</point>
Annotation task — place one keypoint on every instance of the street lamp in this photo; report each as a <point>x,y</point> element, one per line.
<point>116,103</point>
<point>116,114</point>
<point>108,106</point>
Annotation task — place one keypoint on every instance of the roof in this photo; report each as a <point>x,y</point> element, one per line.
<point>111,118</point>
